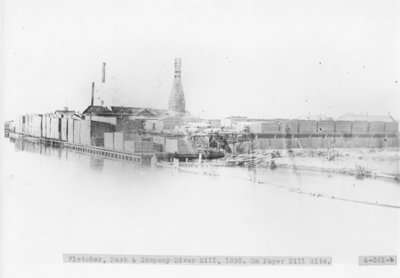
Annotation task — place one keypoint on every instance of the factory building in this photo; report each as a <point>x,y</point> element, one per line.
<point>161,124</point>
<point>232,121</point>
<point>175,131</point>
<point>139,119</point>
<point>365,117</point>
<point>376,124</point>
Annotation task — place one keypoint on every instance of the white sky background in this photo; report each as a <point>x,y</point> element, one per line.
<point>272,59</point>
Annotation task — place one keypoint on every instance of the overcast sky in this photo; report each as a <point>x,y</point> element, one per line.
<point>259,58</point>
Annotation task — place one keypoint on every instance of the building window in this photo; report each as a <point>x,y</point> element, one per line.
<point>154,126</point>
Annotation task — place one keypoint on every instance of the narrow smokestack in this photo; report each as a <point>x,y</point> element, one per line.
<point>104,73</point>
<point>92,101</point>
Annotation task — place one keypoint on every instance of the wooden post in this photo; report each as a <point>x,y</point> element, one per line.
<point>176,163</point>
<point>153,161</point>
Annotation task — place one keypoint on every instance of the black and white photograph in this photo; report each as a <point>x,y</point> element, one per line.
<point>200,138</point>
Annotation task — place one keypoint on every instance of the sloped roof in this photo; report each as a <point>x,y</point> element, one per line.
<point>315,118</point>
<point>368,118</point>
<point>138,111</point>
<point>96,109</point>
<point>237,117</point>
<point>64,112</point>
<point>127,111</point>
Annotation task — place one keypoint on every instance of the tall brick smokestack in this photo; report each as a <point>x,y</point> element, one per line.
<point>178,66</point>
<point>177,97</point>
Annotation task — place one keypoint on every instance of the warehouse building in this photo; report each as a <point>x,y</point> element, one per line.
<point>373,124</point>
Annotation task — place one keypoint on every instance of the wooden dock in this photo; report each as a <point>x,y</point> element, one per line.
<point>142,159</point>
<point>136,158</point>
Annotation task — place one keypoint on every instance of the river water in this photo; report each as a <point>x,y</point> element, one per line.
<point>55,201</point>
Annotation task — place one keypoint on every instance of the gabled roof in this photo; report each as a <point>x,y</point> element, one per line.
<point>64,112</point>
<point>96,109</point>
<point>368,118</point>
<point>139,111</point>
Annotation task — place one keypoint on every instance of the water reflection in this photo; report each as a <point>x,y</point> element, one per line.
<point>76,202</point>
<point>96,163</point>
<point>34,147</point>
<point>315,184</point>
